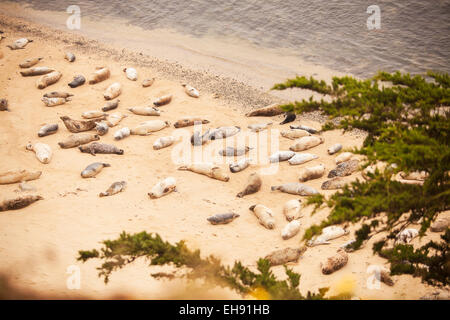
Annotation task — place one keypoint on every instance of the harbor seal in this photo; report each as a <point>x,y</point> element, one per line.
<point>53,102</point>
<point>92,114</point>
<point>19,44</point>
<point>301,158</point>
<point>122,133</point>
<point>30,62</point>
<point>163,142</point>
<point>290,117</point>
<point>58,94</point>
<point>406,235</point>
<point>163,100</point>
<point>18,175</point>
<point>290,230</point>
<point>189,121</point>
<point>48,129</point>
<point>110,105</point>
<point>191,91</point>
<point>416,175</point>
<point>285,255</point>
<point>253,185</point>
<point>115,188</point>
<point>306,143</point>
<point>101,148</point>
<point>36,71</point>
<point>232,151</point>
<point>294,134</point>
<point>148,82</point>
<point>197,139</point>
<point>101,128</point>
<point>147,127</point>
<point>311,173</point>
<point>269,111</point>
<point>114,118</point>
<point>69,56</point>
<point>48,79</point>
<point>345,156</point>
<point>257,127</point>
<point>291,209</point>
<point>18,203</point>
<point>223,132</point>
<point>99,75</point>
<point>439,225</point>
<point>162,188</point>
<point>131,73</point>
<point>283,155</point>
<point>76,126</point>
<point>43,151</point>
<point>335,148</point>
<point>306,128</point>
<point>264,215</point>
<point>4,105</point>
<point>77,81</point>
<point>328,233</point>
<point>206,168</point>
<point>93,169</point>
<point>296,188</point>
<point>240,165</point>
<point>335,262</point>
<point>334,184</point>
<point>344,169</point>
<point>76,140</point>
<point>145,111</point>
<point>113,91</point>
<point>222,218</point>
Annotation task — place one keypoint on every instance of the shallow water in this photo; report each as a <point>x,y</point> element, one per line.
<point>414,34</point>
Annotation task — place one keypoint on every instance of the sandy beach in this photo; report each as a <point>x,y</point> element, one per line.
<point>39,243</point>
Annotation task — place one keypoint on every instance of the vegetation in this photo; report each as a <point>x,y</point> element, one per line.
<point>407,121</point>
<point>118,253</point>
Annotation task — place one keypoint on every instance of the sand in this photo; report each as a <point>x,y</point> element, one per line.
<point>39,243</point>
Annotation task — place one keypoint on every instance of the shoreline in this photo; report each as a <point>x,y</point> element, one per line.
<point>42,240</point>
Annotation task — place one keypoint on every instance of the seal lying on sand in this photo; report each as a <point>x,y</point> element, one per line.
<point>102,148</point>
<point>77,81</point>
<point>344,169</point>
<point>30,62</point>
<point>75,140</point>
<point>291,209</point>
<point>240,165</point>
<point>311,173</point>
<point>162,188</point>
<point>69,56</point>
<point>113,91</point>
<point>296,188</point>
<point>148,82</point>
<point>328,233</point>
<point>14,176</point>
<point>189,121</point>
<point>223,132</point>
<point>345,156</point>
<point>264,215</point>
<point>116,187</point>
<point>19,44</point>
<point>122,133</point>
<point>43,151</point>
<point>145,111</point>
<point>334,263</point>
<point>58,94</point>
<point>93,169</point>
<point>334,148</point>
<point>163,100</point>
<point>269,111</point>
<point>285,255</point>
<point>48,79</point>
<point>257,127</point>
<point>253,185</point>
<point>52,102</point>
<point>99,75</point>
<point>222,218</point>
<point>36,71</point>
<point>92,114</point>
<point>291,229</point>
<point>301,158</point>
<point>111,105</point>
<point>334,184</point>
<point>114,118</point>
<point>163,142</point>
<point>232,151</point>
<point>18,203</point>
<point>147,127</point>
<point>47,129</point>
<point>101,128</point>
<point>282,155</point>
<point>295,134</point>
<point>206,168</point>
<point>76,126</point>
<point>191,91</point>
<point>306,128</point>
<point>406,235</point>
<point>306,143</point>
<point>290,117</point>
<point>131,73</point>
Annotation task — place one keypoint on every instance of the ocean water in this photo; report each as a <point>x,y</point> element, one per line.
<point>414,35</point>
